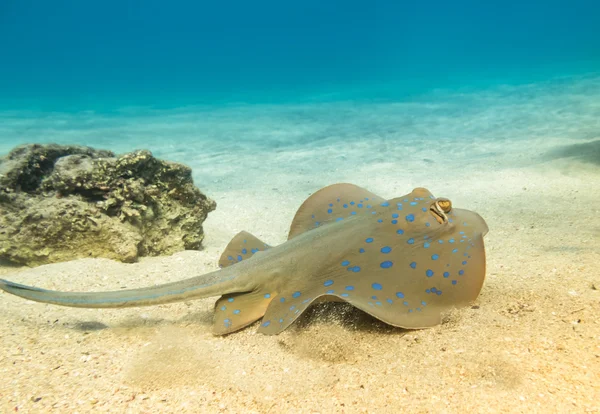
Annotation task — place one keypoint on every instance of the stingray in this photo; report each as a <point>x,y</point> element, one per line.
<point>404,261</point>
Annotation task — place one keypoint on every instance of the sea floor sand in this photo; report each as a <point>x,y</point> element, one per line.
<point>530,342</point>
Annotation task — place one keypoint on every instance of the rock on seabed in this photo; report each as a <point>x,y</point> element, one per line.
<point>60,203</point>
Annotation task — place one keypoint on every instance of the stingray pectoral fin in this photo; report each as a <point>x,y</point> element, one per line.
<point>242,247</point>
<point>210,284</point>
<point>285,309</point>
<point>395,313</point>
<point>238,310</point>
<point>336,202</point>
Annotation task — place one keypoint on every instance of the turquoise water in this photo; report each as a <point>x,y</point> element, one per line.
<point>71,56</point>
<point>326,85</point>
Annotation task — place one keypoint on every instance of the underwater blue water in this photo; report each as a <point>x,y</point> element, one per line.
<point>71,55</point>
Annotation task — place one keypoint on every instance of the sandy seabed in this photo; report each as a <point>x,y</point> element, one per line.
<point>530,342</point>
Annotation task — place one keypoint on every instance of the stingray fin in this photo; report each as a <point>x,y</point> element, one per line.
<point>333,203</point>
<point>241,247</point>
<point>285,309</point>
<point>238,310</point>
<point>395,312</point>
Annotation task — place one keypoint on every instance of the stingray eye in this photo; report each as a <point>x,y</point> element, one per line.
<point>440,208</point>
<point>445,204</point>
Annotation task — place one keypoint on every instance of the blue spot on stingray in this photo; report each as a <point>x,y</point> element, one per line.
<point>223,308</point>
<point>378,303</point>
<point>328,283</point>
<point>296,294</point>
<point>461,272</point>
<point>369,206</point>
<point>345,206</point>
<point>435,257</point>
<point>413,265</point>
<point>379,221</point>
<point>400,231</point>
<point>424,209</point>
<point>329,210</point>
<point>429,273</point>
<point>423,303</point>
<point>446,274</point>
<point>361,250</point>
<point>427,224</point>
<point>427,291</point>
<point>411,241</point>
<point>400,295</point>
<point>413,203</point>
<point>239,258</point>
<point>395,215</point>
<point>244,251</point>
<point>455,250</point>
<point>385,204</point>
<point>464,262</point>
<point>280,320</point>
<point>345,263</point>
<point>254,250</point>
<point>339,219</point>
<point>354,269</point>
<point>386,265</point>
<point>237,311</point>
<point>373,212</point>
<point>389,301</point>
<point>244,241</point>
<point>410,218</point>
<point>227,322</point>
<point>349,287</point>
<point>292,307</point>
<point>438,292</point>
<point>230,257</point>
<point>374,297</point>
<point>386,249</point>
<point>282,300</point>
<point>330,291</point>
<point>267,295</point>
<point>267,323</point>
<point>377,286</point>
<point>426,245</point>
<point>369,240</point>
<point>394,221</point>
<point>359,205</point>
<point>451,241</point>
<point>345,295</point>
<point>230,300</point>
<point>454,282</point>
<point>353,213</point>
<point>330,204</point>
<point>405,303</point>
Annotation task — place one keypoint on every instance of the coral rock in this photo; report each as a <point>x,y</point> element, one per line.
<point>60,203</point>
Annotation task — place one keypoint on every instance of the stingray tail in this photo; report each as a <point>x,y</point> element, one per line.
<point>210,284</point>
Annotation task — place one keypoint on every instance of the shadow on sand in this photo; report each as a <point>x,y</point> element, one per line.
<point>588,152</point>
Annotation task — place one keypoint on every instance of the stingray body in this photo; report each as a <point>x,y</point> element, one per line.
<point>403,260</point>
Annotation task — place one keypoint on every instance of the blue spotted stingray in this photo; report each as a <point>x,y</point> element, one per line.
<point>405,261</point>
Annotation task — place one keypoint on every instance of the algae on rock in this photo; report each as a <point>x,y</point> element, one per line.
<point>60,203</point>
